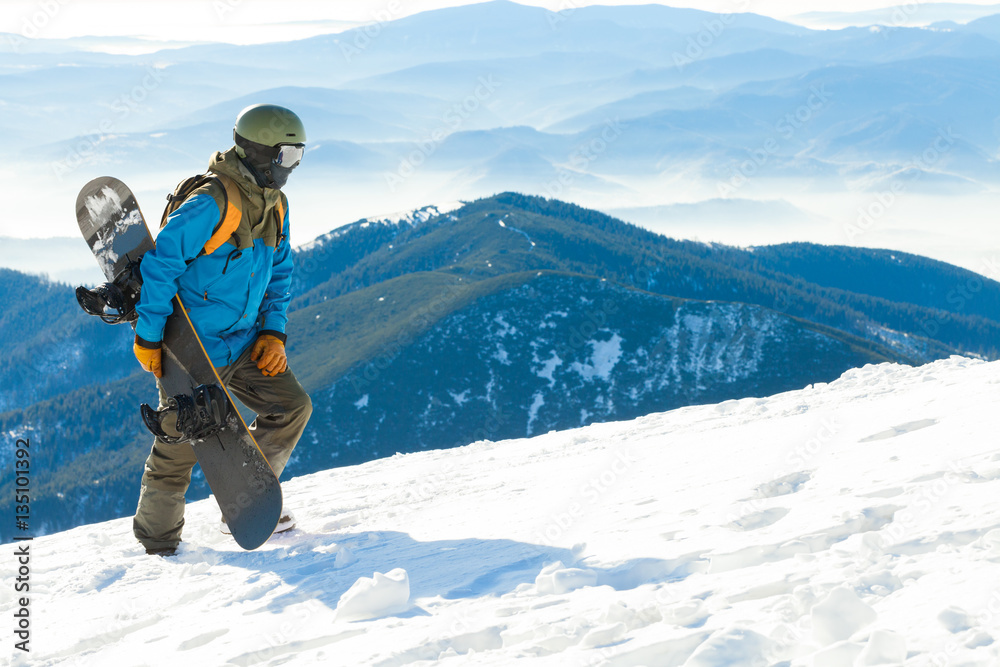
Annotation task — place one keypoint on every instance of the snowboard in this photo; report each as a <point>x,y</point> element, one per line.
<point>239,475</point>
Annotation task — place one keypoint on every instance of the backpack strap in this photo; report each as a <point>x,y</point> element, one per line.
<point>180,193</point>
<point>230,218</point>
<point>280,207</point>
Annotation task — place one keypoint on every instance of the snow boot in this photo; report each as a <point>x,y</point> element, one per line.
<point>163,552</point>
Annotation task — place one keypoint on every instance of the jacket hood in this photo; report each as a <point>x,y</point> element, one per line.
<point>257,201</point>
<point>228,163</point>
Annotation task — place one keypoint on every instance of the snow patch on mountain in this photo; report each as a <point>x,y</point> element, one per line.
<point>548,367</point>
<point>605,356</point>
<point>416,216</point>
<point>621,354</point>
<point>411,218</point>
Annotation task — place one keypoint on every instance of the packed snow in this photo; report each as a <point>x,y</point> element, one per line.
<point>855,523</point>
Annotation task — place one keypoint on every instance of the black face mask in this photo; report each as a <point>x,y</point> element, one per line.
<point>270,165</point>
<point>280,175</point>
<point>268,175</point>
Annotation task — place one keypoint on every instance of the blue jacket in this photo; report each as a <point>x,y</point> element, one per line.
<point>232,294</point>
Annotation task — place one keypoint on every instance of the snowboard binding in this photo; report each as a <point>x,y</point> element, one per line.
<point>199,416</point>
<point>114,302</point>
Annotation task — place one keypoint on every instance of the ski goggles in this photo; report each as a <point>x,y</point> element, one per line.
<point>282,155</point>
<point>289,155</point>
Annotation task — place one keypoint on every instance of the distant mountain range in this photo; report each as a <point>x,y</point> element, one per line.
<point>497,318</point>
<point>61,259</point>
<point>944,14</point>
<point>611,107</point>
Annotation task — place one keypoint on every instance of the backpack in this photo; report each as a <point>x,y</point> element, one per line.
<point>229,220</point>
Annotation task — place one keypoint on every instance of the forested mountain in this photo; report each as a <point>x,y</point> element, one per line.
<point>50,347</point>
<point>503,317</point>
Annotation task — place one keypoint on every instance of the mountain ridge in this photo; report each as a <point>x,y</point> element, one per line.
<point>635,256</point>
<point>568,315</point>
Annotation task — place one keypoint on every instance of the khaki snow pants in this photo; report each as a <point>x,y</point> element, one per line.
<point>283,409</point>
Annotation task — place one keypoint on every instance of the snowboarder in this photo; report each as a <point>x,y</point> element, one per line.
<point>237,293</point>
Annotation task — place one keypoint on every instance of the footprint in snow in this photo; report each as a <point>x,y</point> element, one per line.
<point>955,619</point>
<point>964,476</point>
<point>891,492</point>
<point>960,623</point>
<point>201,640</point>
<point>761,519</point>
<point>782,486</point>
<point>341,522</point>
<point>105,578</point>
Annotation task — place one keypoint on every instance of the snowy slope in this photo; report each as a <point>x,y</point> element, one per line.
<point>850,523</point>
<point>409,218</point>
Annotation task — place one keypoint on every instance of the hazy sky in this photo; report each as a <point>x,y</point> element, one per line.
<point>249,21</point>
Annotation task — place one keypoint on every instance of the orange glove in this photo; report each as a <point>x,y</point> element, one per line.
<point>269,353</point>
<point>149,358</point>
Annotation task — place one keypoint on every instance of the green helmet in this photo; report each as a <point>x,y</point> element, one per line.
<point>269,125</point>
<point>271,140</point>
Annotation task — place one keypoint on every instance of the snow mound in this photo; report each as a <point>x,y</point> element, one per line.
<point>783,485</point>
<point>839,616</point>
<point>731,647</point>
<point>955,619</point>
<point>375,597</point>
<point>884,647</point>
<point>556,579</point>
